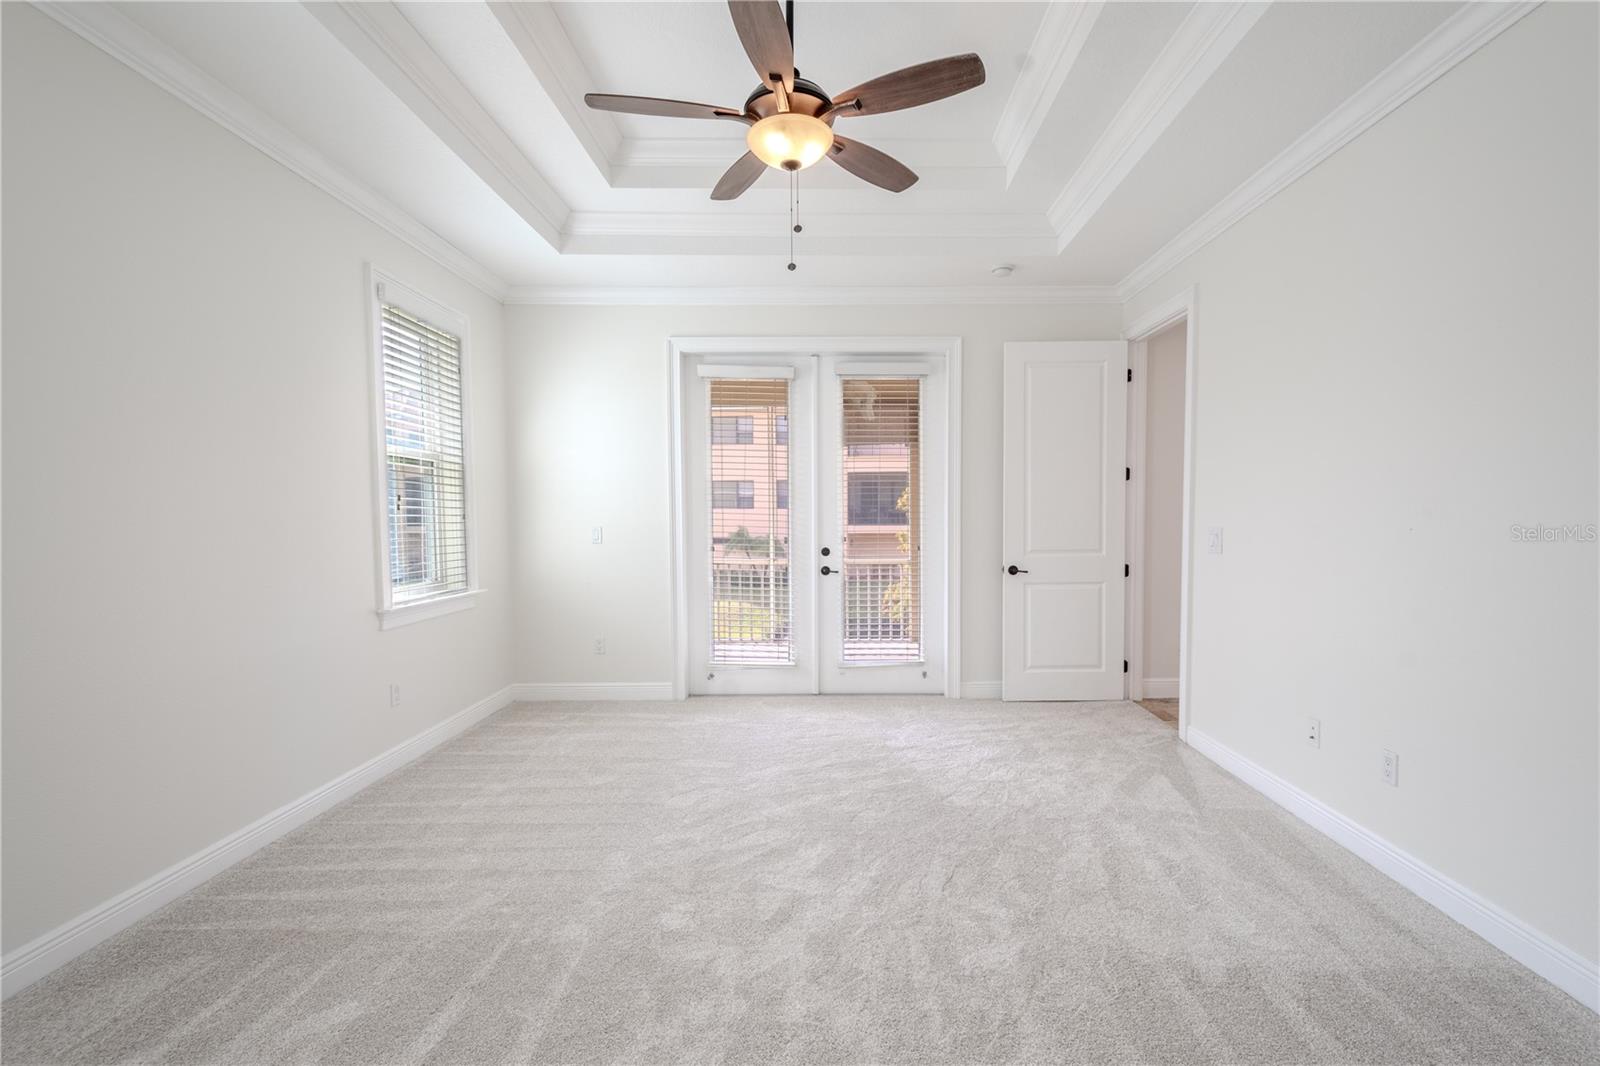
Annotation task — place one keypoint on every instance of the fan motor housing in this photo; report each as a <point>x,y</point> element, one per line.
<point>807,99</point>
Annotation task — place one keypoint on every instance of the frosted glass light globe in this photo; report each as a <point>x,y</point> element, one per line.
<point>789,141</point>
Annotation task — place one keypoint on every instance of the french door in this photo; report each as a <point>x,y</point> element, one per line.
<point>814,523</point>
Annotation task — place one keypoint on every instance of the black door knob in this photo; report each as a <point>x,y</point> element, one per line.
<point>1014,571</point>
<point>827,551</point>
<point>826,570</point>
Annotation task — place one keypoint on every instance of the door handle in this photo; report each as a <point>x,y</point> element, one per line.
<point>1013,570</point>
<point>826,570</point>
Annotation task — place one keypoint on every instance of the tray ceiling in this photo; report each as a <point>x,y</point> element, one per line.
<point>1104,133</point>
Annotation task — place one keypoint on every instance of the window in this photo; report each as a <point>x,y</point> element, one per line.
<point>733,429</point>
<point>424,475</point>
<point>733,494</point>
<point>783,494</point>
<point>874,498</point>
<point>780,431</point>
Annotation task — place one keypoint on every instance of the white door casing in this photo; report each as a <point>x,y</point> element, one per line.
<point>1063,514</point>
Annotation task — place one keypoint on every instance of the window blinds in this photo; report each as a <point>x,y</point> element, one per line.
<point>880,503</point>
<point>426,458</point>
<point>748,468</point>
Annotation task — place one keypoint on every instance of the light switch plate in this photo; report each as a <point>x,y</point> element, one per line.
<point>1214,540</point>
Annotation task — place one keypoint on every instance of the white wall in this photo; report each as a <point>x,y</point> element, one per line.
<point>189,563</point>
<point>1162,479</point>
<point>1396,364</point>
<point>590,416</point>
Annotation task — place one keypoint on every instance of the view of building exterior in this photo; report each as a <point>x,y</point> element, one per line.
<point>875,551</point>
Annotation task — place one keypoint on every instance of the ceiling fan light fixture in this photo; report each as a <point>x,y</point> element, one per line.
<point>789,140</point>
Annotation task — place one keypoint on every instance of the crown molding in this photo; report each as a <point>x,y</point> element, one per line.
<point>382,39</point>
<point>659,163</point>
<point>809,296</point>
<point>921,225</point>
<point>535,30</point>
<point>103,26</point>
<point>1062,34</point>
<point>718,152</point>
<point>1462,34</point>
<point>1207,35</point>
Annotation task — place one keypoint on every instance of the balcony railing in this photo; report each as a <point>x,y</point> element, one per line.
<point>752,619</point>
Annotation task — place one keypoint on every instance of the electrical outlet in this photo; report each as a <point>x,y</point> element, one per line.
<point>394,695</point>
<point>1314,732</point>
<point>1391,769</point>
<point>599,645</point>
<point>1214,540</point>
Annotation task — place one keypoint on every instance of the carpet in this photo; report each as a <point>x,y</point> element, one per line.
<point>800,880</point>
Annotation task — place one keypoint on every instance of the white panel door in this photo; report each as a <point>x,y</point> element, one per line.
<point>1065,449</point>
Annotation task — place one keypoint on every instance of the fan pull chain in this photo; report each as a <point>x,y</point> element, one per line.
<point>794,212</point>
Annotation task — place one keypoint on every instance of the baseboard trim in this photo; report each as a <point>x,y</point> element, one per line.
<point>980,690</point>
<point>34,960</point>
<point>1562,967</point>
<point>1160,688</point>
<point>543,691</point>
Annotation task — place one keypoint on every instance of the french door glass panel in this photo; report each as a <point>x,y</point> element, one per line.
<point>880,486</point>
<point>752,616</point>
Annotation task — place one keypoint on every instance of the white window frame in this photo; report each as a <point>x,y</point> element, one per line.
<point>383,288</point>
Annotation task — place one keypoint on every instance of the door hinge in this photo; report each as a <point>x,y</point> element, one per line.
<point>1124,666</point>
<point>1130,373</point>
<point>1126,570</point>
<point>1127,473</point>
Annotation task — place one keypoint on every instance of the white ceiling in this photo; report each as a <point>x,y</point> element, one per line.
<point>1103,130</point>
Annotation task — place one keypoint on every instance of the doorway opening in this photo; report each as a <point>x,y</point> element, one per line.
<point>1159,509</point>
<point>1155,525</point>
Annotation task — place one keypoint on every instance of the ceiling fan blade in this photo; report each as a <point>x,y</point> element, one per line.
<point>869,164</point>
<point>739,177</point>
<point>653,105</point>
<point>765,36</point>
<point>913,86</point>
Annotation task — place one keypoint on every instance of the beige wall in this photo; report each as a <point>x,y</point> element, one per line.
<point>1163,501</point>
<point>190,636</point>
<point>1396,365</point>
<point>590,411</point>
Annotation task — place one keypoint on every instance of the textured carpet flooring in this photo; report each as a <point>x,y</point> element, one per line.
<point>801,880</point>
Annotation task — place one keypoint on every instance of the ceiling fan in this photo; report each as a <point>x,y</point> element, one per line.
<point>791,119</point>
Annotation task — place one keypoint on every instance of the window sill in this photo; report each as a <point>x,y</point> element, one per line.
<point>422,610</point>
